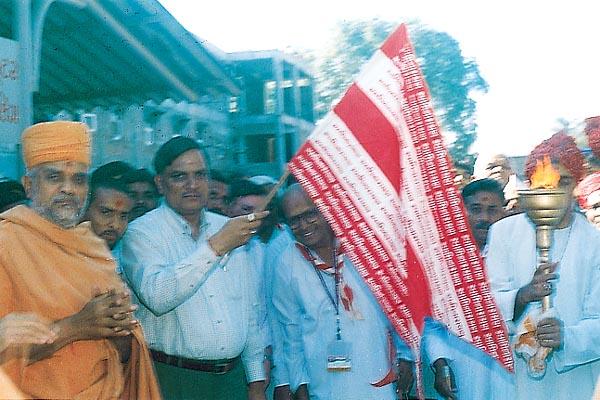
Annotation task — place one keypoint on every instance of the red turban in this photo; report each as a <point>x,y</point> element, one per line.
<point>560,148</point>
<point>588,191</point>
<point>592,130</point>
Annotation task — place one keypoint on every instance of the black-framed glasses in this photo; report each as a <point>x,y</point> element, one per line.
<point>310,217</point>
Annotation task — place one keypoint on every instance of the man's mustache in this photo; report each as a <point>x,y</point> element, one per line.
<point>66,198</point>
<point>110,232</point>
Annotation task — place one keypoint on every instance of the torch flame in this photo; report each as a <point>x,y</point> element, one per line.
<point>545,176</point>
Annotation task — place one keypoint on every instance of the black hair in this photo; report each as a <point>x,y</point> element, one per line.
<point>139,175</point>
<point>111,170</point>
<point>243,187</point>
<point>220,176</point>
<point>173,148</point>
<point>117,185</point>
<point>11,193</point>
<point>483,185</point>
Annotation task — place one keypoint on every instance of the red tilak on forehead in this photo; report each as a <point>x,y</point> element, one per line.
<point>119,202</point>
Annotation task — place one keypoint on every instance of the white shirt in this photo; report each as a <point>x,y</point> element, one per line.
<point>511,263</point>
<point>308,324</point>
<point>190,305</point>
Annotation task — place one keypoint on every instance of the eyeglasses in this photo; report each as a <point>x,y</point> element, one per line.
<point>310,217</point>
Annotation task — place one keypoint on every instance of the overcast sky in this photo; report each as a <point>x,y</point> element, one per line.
<point>541,59</point>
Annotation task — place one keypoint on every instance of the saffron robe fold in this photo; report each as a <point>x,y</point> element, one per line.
<point>53,272</point>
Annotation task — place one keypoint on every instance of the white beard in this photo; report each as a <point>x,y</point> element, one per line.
<point>64,216</point>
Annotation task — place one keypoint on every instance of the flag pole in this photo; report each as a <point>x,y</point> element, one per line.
<point>274,190</point>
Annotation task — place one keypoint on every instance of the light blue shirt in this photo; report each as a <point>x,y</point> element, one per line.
<point>193,304</point>
<point>255,250</point>
<point>116,253</point>
<point>477,375</point>
<point>282,238</point>
<point>511,262</point>
<point>307,317</point>
<point>265,256</point>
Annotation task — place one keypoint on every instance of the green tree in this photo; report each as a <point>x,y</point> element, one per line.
<point>451,78</point>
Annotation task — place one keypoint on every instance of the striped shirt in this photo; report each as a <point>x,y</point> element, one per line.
<point>193,304</point>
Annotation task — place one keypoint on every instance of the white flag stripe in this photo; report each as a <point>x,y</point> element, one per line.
<point>381,81</point>
<point>360,178</point>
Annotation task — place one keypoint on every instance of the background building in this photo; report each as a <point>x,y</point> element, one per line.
<point>131,72</point>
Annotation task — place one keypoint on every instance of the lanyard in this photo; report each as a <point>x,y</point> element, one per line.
<point>335,301</point>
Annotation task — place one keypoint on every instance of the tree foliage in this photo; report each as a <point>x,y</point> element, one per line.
<point>451,78</point>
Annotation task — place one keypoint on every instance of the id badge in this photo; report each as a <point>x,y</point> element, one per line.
<point>339,356</point>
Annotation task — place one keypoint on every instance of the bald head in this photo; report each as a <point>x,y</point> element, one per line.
<point>294,193</point>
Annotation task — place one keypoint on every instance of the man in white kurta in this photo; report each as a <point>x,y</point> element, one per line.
<point>574,288</point>
<point>307,313</point>
<point>511,263</point>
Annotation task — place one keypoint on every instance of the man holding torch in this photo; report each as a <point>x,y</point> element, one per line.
<point>550,296</point>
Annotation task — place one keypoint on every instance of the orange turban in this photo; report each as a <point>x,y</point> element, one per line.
<point>56,141</point>
<point>588,191</point>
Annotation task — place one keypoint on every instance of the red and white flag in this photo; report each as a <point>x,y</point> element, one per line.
<point>378,170</point>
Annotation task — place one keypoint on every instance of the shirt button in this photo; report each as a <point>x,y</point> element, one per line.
<point>219,321</point>
<point>211,295</point>
<point>222,347</point>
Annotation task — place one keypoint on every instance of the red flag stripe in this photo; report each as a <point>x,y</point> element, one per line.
<point>373,131</point>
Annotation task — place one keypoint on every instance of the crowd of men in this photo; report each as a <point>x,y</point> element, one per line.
<point>182,283</point>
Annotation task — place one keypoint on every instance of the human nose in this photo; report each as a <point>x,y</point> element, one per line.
<point>193,182</point>
<point>487,217</point>
<point>67,187</point>
<point>113,222</point>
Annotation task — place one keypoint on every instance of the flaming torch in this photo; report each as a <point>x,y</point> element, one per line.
<point>546,206</point>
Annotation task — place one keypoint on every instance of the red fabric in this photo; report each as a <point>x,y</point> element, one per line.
<point>560,148</point>
<point>378,170</point>
<point>586,187</point>
<point>592,130</point>
<point>383,147</point>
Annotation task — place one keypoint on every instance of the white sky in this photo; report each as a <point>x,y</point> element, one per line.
<point>540,59</point>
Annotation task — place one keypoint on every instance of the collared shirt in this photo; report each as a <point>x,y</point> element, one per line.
<point>267,255</point>
<point>307,315</point>
<point>511,262</point>
<point>192,303</point>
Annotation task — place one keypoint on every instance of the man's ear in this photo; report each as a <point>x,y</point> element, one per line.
<point>158,181</point>
<point>27,183</point>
